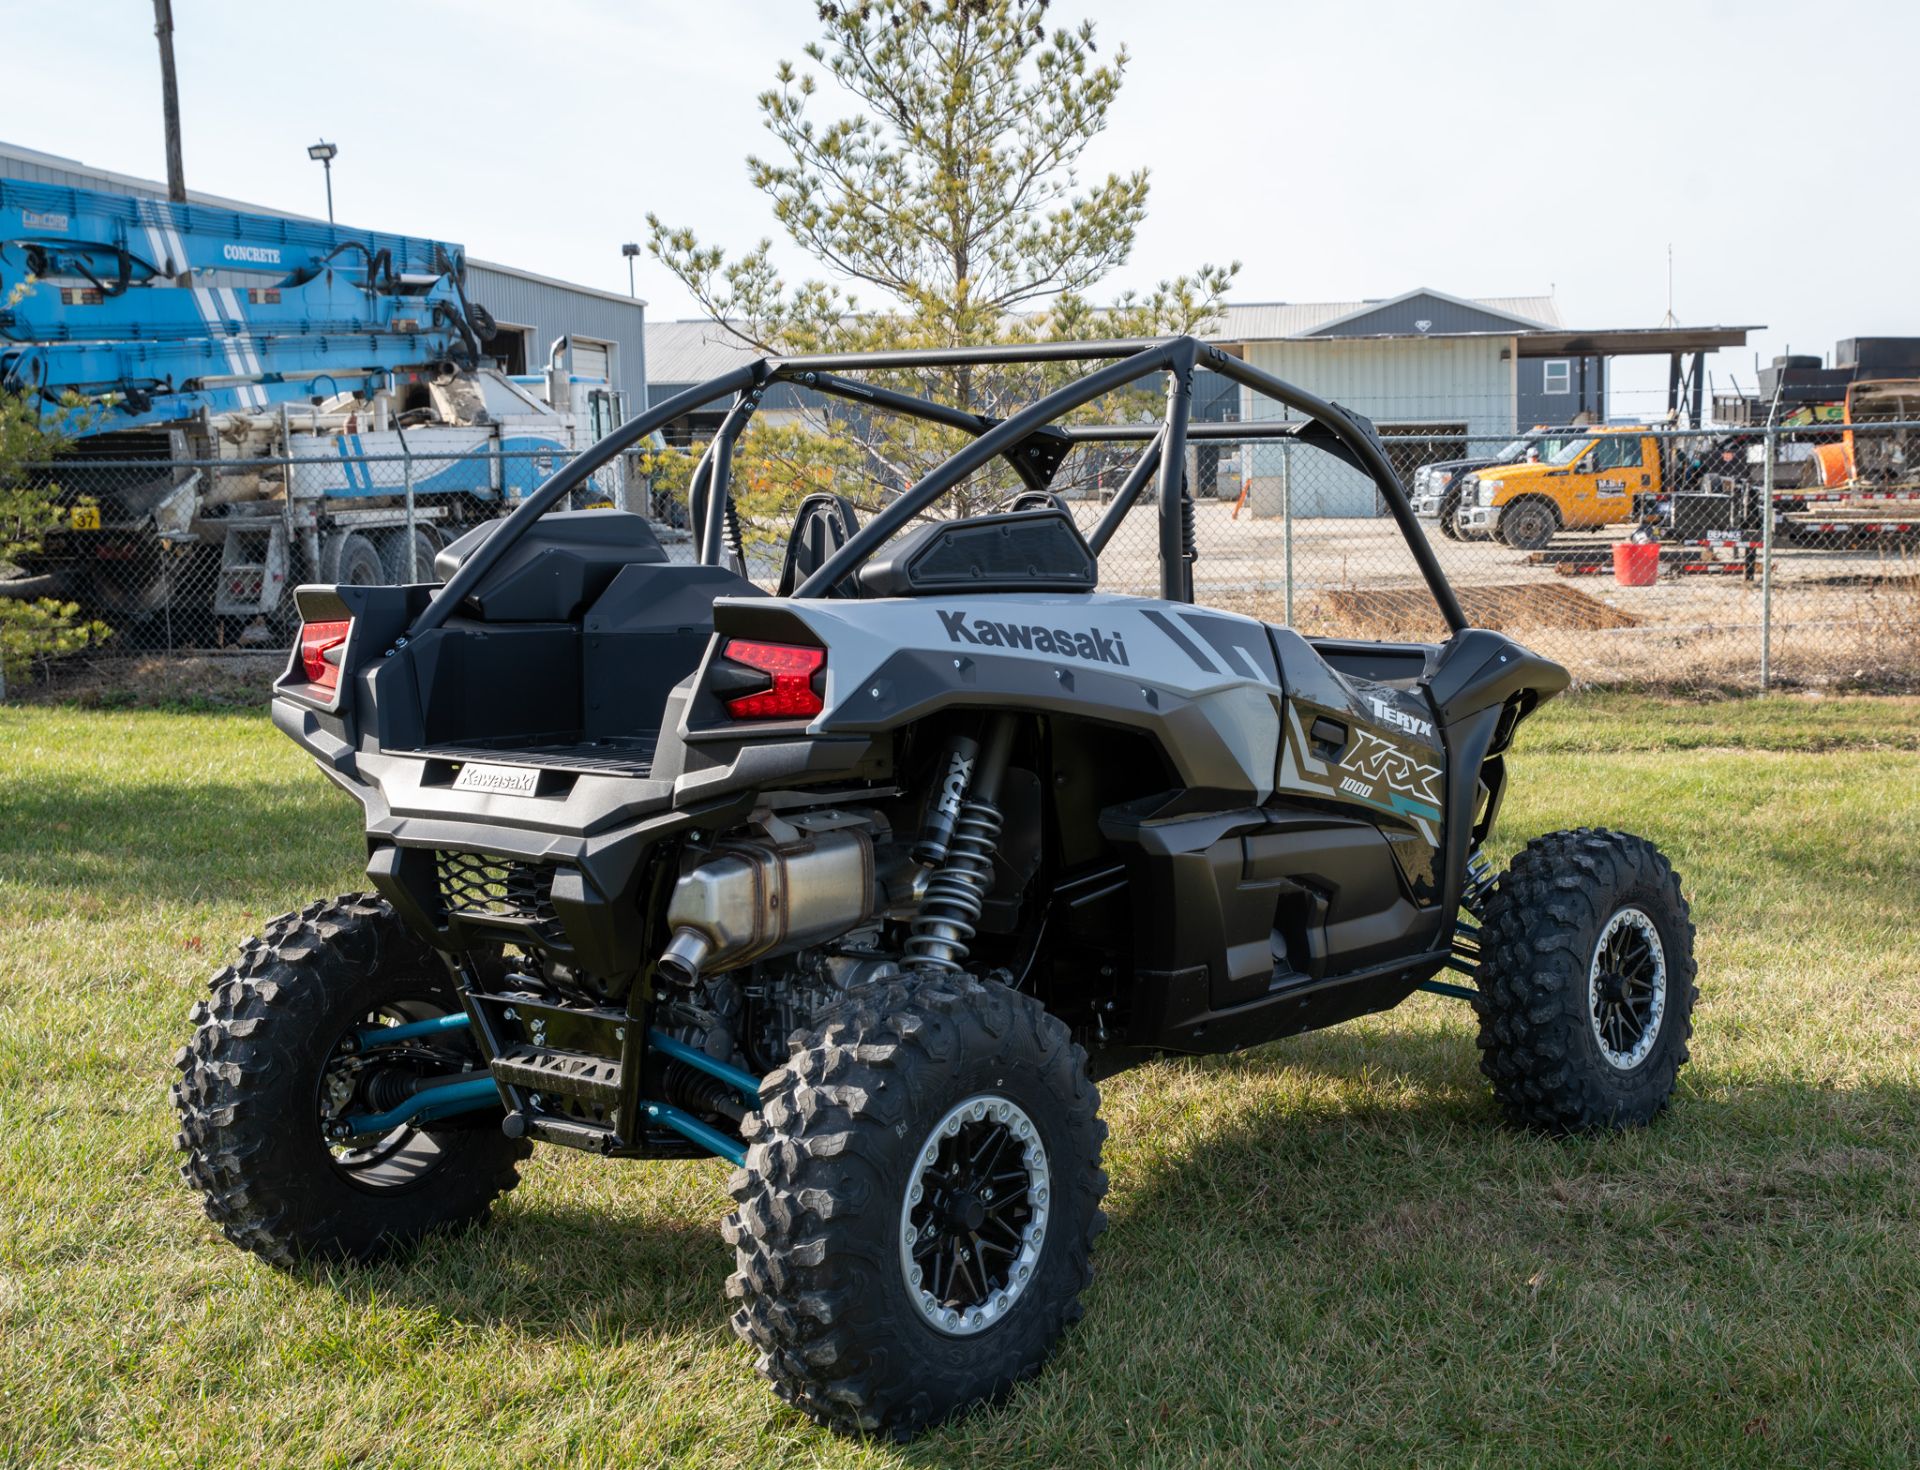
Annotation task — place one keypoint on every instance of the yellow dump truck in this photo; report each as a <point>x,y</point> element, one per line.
<point>1587,481</point>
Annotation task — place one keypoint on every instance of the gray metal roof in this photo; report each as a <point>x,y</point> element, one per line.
<point>692,352</point>
<point>1264,321</point>
<point>1632,341</point>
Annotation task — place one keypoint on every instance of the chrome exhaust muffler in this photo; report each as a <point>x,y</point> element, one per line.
<point>759,898</point>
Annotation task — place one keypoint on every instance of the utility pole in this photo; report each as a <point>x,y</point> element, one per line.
<point>630,250</point>
<point>170,100</point>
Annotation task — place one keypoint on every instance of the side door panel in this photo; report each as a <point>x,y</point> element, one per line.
<point>1619,472</point>
<point>1574,489</point>
<point>1371,751</point>
<point>1367,745</point>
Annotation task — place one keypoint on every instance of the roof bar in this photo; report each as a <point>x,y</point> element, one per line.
<point>906,403</point>
<point>1124,497</point>
<point>1137,364</point>
<point>719,486</point>
<point>916,357</point>
<point>1176,559</point>
<point>1138,433</point>
<point>569,477</point>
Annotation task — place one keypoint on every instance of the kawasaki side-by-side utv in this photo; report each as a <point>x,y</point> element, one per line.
<point>862,885</point>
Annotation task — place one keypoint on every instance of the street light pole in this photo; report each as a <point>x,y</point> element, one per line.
<point>170,103</point>
<point>630,250</point>
<point>323,152</point>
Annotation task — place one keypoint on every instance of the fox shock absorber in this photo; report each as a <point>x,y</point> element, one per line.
<point>967,835</point>
<point>943,816</point>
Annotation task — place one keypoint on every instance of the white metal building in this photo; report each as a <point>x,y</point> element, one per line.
<point>1421,363</point>
<point>1451,373</point>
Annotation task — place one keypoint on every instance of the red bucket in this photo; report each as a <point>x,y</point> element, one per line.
<point>1636,563</point>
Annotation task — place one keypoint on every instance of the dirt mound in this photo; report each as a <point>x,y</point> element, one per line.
<point>1513,606</point>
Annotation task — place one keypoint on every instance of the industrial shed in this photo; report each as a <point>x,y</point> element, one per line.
<point>606,331</point>
<point>1423,363</point>
<point>1445,372</point>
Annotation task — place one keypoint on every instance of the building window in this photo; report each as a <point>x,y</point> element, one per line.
<point>1557,376</point>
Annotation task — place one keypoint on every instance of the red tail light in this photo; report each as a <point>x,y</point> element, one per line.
<point>789,668</point>
<point>322,646</point>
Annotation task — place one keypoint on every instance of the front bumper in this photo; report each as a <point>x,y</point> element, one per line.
<point>1477,520</point>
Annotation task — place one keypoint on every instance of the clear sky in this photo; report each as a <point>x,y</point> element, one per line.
<point>1338,151</point>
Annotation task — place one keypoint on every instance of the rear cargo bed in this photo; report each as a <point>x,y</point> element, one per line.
<point>630,755</point>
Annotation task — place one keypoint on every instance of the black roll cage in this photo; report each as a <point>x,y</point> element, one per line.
<point>1030,440</point>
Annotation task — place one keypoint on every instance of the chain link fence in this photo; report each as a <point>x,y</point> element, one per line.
<point>1633,555</point>
<point>166,555</point>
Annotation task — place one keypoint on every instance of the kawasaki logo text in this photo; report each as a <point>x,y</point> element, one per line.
<point>1092,645</point>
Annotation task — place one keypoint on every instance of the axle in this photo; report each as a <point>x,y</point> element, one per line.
<point>457,1096</point>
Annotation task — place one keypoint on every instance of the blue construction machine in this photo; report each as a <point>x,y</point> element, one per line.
<point>255,401</point>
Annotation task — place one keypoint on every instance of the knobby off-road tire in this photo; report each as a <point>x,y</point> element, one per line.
<point>249,1096</point>
<point>841,1141</point>
<point>1567,929</point>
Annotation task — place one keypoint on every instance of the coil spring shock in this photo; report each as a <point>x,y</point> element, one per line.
<point>1188,527</point>
<point>957,892</point>
<point>736,541</point>
<point>1479,884</point>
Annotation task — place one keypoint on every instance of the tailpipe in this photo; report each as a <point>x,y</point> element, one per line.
<point>685,956</point>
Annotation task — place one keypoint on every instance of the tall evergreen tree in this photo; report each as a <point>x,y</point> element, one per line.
<point>946,209</point>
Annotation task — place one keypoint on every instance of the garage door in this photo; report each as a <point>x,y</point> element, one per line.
<point>591,360</point>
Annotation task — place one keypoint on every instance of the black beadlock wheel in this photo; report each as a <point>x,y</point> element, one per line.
<point>1586,982</point>
<point>915,1221</point>
<point>268,1070</point>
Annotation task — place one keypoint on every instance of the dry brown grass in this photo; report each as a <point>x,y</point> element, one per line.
<point>1859,631</point>
<point>159,681</point>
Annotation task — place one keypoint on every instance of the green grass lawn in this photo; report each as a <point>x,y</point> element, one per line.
<point>1326,1251</point>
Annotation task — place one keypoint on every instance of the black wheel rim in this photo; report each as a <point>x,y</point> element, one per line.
<point>975,1215</point>
<point>1627,988</point>
<point>356,1081</point>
